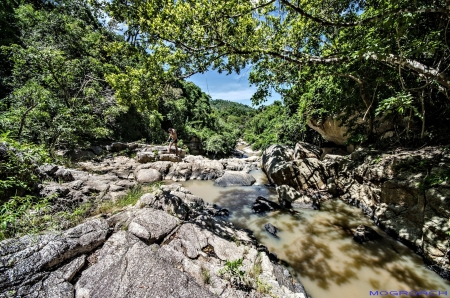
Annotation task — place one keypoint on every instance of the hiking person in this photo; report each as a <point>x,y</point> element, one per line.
<point>173,139</point>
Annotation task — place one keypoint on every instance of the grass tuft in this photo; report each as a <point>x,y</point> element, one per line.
<point>32,215</point>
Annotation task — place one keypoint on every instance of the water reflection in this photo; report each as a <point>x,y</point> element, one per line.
<point>319,248</point>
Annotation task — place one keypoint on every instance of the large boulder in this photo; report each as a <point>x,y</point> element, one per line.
<point>170,157</point>
<point>148,176</point>
<point>262,205</point>
<point>274,155</point>
<point>161,166</point>
<point>173,199</point>
<point>26,262</point>
<point>364,233</point>
<point>180,172</point>
<point>300,174</point>
<point>235,178</point>
<point>63,174</point>
<point>271,229</point>
<point>305,150</point>
<point>150,225</point>
<point>144,157</point>
<point>206,169</point>
<point>47,170</point>
<point>281,168</point>
<point>331,130</point>
<point>289,197</point>
<point>126,267</point>
<point>118,146</point>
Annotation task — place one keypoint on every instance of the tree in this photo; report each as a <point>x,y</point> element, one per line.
<point>378,48</point>
<point>56,76</point>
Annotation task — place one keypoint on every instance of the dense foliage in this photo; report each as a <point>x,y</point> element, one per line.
<point>233,112</point>
<point>352,59</point>
<point>70,79</point>
<point>277,124</point>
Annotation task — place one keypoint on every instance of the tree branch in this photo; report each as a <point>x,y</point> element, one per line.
<point>365,21</point>
<point>416,66</point>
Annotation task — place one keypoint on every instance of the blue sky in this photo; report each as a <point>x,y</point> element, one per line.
<point>231,87</point>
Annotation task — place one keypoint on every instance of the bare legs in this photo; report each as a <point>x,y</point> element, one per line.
<point>170,146</point>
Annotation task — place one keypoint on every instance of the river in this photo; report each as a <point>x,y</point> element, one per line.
<point>319,248</point>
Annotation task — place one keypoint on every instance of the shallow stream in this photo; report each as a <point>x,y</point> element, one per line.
<point>318,245</point>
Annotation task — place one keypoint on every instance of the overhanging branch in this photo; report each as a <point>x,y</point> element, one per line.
<point>380,16</point>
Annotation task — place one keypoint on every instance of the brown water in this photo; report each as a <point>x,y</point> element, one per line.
<point>319,248</point>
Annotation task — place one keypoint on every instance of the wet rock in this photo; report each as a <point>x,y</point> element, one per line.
<point>264,205</point>
<point>235,178</point>
<point>214,210</point>
<point>222,213</point>
<point>289,198</point>
<point>364,234</point>
<point>126,267</point>
<point>271,229</point>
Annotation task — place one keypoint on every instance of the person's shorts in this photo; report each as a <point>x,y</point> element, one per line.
<point>174,141</point>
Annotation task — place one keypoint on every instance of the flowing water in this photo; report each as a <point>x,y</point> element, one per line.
<point>318,245</point>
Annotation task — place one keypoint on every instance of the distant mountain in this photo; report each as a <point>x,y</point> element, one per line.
<point>231,107</point>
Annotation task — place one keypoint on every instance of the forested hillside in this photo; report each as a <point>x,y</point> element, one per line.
<point>367,63</point>
<point>77,73</point>
<point>69,79</point>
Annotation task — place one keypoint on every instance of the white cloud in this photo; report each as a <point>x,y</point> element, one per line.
<point>233,94</point>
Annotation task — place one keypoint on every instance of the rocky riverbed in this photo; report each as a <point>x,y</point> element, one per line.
<point>406,193</point>
<point>169,244</point>
<point>172,243</point>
